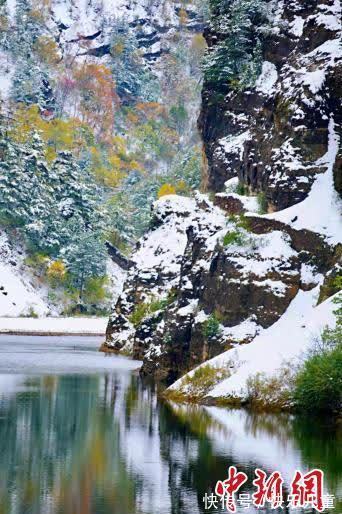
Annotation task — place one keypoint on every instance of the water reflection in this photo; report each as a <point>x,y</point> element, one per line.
<point>79,444</point>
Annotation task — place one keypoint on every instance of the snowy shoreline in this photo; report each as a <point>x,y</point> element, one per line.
<point>53,326</point>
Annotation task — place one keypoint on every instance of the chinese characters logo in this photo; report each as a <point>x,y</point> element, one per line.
<point>306,491</point>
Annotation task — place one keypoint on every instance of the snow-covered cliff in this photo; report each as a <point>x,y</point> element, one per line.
<point>262,253</point>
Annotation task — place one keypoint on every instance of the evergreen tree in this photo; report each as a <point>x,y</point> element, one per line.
<point>4,26</point>
<point>133,79</point>
<point>85,255</point>
<point>236,59</point>
<point>30,84</point>
<point>40,200</point>
<point>23,177</point>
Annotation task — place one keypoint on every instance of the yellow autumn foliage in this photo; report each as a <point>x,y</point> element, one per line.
<point>56,272</point>
<point>47,50</point>
<point>183,16</point>
<point>166,189</point>
<point>58,134</point>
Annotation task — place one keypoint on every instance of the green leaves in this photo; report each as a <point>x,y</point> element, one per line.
<point>235,60</point>
<point>319,383</point>
<point>212,328</point>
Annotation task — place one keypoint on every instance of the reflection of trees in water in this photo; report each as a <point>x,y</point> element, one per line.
<point>65,448</point>
<point>320,443</point>
<point>188,428</point>
<point>60,450</point>
<point>277,425</point>
<point>203,467</point>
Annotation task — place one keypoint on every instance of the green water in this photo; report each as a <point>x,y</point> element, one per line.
<point>81,433</point>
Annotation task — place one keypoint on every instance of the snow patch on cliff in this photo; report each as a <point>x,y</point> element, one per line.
<point>321,210</point>
<point>286,340</point>
<point>267,80</point>
<point>162,249</point>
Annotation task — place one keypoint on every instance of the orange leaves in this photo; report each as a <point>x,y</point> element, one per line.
<point>98,97</point>
<point>150,111</point>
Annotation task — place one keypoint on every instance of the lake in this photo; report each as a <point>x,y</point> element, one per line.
<point>81,433</point>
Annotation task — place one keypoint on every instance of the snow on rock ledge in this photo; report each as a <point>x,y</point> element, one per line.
<point>156,271</point>
<point>286,340</point>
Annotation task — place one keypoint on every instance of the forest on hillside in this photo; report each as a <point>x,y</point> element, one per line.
<point>89,141</point>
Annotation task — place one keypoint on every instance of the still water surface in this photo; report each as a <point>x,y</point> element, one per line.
<point>80,433</point>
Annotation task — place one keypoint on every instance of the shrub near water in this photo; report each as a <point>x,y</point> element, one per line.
<point>271,392</point>
<point>318,385</point>
<point>202,380</point>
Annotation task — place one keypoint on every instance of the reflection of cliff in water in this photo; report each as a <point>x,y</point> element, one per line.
<point>104,444</point>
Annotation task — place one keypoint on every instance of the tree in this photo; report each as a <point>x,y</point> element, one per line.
<point>56,273</point>
<point>85,256</point>
<point>179,117</point>
<point>318,384</point>
<point>96,86</point>
<point>40,199</point>
<point>133,80</point>
<point>236,59</point>
<point>47,50</point>
<point>23,176</point>
<point>30,84</point>
<point>166,189</point>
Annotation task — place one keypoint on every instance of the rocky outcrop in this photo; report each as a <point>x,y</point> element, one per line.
<point>272,147</point>
<point>204,283</point>
<point>87,30</point>
<point>152,277</point>
<point>273,134</point>
<point>117,257</point>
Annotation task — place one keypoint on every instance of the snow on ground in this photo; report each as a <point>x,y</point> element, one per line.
<point>286,340</point>
<point>53,326</point>
<point>321,210</point>
<point>20,293</point>
<point>17,295</point>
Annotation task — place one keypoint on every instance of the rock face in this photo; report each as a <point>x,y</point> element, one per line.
<point>83,31</point>
<point>212,275</point>
<point>272,135</point>
<point>86,29</point>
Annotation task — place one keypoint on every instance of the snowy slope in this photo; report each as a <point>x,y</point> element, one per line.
<point>18,295</point>
<point>324,217</point>
<point>286,340</point>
